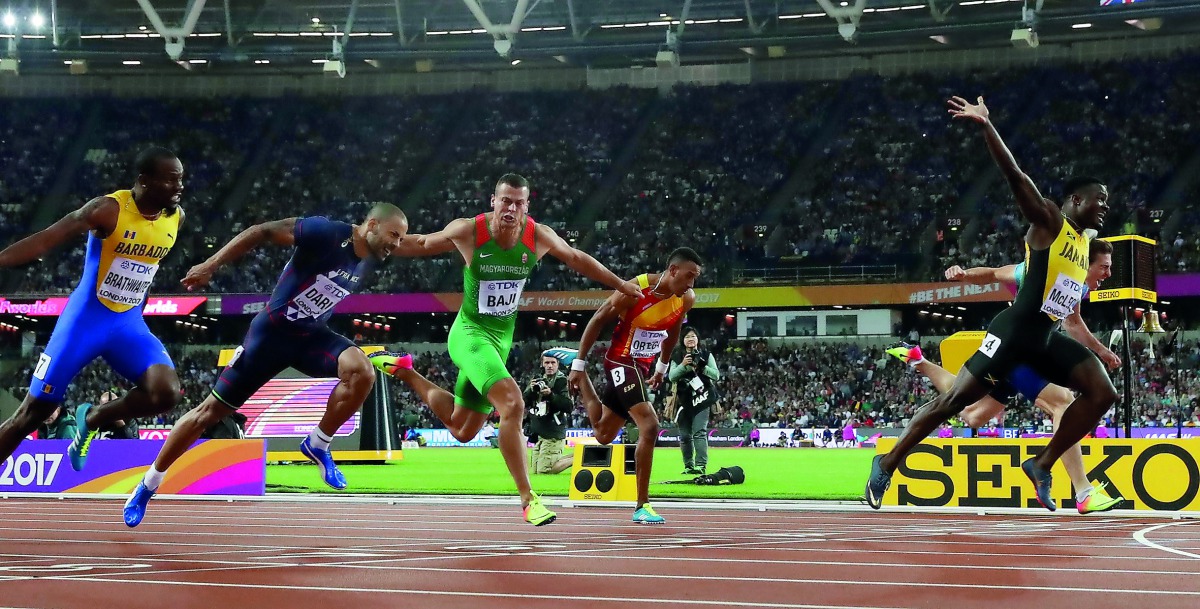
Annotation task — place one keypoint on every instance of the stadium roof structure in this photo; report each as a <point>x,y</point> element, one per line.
<point>422,35</point>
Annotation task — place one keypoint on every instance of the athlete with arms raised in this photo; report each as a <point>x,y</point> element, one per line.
<point>1056,268</point>
<point>1051,399</point>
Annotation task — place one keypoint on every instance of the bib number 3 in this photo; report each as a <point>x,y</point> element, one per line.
<point>618,376</point>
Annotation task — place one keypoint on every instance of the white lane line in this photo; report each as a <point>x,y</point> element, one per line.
<point>1140,537</point>
<point>768,561</point>
<point>490,595</point>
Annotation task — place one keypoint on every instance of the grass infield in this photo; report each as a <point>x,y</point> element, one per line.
<point>771,473</point>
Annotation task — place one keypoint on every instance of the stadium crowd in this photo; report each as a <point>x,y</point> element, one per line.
<point>761,175</point>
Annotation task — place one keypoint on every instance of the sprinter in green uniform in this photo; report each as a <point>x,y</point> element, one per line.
<point>500,250</point>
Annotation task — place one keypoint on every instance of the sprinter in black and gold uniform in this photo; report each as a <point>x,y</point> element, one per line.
<point>1056,265</point>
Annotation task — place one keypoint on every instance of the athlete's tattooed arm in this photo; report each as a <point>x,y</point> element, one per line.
<point>278,232</point>
<point>99,215</point>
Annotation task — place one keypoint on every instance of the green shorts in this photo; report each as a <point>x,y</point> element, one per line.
<point>480,356</point>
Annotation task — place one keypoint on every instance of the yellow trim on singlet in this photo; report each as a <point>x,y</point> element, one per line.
<point>135,239</point>
<point>1068,256</point>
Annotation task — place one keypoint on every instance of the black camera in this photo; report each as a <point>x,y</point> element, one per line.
<point>699,359</point>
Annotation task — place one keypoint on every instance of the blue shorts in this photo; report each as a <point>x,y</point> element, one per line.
<point>271,347</point>
<point>87,330</point>
<point>1022,380</point>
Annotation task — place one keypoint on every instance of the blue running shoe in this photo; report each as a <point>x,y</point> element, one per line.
<point>647,515</point>
<point>78,450</point>
<point>564,355</point>
<point>329,470</point>
<point>135,506</point>
<point>877,484</point>
<point>1042,483</point>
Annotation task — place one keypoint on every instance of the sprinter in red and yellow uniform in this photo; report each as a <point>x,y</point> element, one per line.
<point>648,327</point>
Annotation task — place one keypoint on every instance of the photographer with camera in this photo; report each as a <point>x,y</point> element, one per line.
<point>550,407</point>
<point>694,376</point>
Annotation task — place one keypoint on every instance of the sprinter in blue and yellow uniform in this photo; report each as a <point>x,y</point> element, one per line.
<point>129,233</point>
<point>1056,267</point>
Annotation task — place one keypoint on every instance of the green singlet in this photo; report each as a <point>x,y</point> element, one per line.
<point>481,336</point>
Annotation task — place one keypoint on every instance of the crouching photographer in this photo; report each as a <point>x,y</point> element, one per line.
<point>694,375</point>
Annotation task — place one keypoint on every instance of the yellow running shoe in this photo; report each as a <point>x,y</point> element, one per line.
<point>1098,501</point>
<point>389,363</point>
<point>909,354</point>
<point>537,514</point>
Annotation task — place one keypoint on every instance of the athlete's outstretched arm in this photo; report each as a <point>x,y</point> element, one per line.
<point>983,274</point>
<point>433,244</point>
<point>1039,211</point>
<point>1077,329</point>
<point>279,232</point>
<point>608,312</point>
<point>548,242</point>
<point>99,214</point>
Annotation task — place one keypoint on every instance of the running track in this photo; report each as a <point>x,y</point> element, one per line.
<point>343,554</point>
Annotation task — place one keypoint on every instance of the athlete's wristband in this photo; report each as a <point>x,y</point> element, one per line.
<point>661,367</point>
<point>578,365</point>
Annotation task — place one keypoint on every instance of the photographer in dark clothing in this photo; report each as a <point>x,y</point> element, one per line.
<point>694,375</point>
<point>121,429</point>
<point>550,407</point>
<point>60,425</point>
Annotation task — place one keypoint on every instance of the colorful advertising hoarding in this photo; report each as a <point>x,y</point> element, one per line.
<point>1151,474</point>
<point>706,298</point>
<point>211,467</point>
<point>53,307</point>
<point>291,408</point>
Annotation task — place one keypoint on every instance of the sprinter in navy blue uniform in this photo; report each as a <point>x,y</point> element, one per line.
<point>330,261</point>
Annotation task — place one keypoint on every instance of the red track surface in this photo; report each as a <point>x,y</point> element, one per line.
<point>76,554</point>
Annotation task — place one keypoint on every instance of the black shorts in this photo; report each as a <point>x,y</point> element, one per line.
<point>625,386</point>
<point>1013,340</point>
<point>272,347</point>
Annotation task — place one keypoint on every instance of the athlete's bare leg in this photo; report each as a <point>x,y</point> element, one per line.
<point>606,423</point>
<point>647,423</point>
<point>942,379</point>
<point>462,423</point>
<point>1054,400</point>
<point>506,397</point>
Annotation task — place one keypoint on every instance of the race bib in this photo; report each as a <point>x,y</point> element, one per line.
<point>317,300</point>
<point>127,281</point>
<point>646,343</point>
<point>989,345</point>
<point>1064,296</point>
<point>500,298</point>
